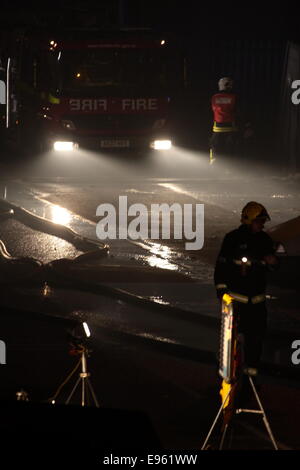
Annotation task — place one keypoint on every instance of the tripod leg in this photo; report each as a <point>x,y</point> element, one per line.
<point>266,422</point>
<point>215,421</point>
<point>92,392</point>
<point>231,437</point>
<point>73,390</point>
<point>83,391</point>
<point>223,437</point>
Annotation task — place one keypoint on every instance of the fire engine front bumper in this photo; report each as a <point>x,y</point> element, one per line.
<point>106,143</point>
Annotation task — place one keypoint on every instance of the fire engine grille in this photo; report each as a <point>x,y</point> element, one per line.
<point>118,122</point>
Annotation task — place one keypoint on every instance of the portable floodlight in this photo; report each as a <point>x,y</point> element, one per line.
<point>226,358</point>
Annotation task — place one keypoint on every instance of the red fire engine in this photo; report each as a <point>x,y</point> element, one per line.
<point>95,90</point>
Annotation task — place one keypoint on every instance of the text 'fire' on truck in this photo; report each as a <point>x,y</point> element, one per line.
<point>116,92</point>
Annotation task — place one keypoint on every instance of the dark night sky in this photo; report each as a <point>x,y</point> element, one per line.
<point>206,19</point>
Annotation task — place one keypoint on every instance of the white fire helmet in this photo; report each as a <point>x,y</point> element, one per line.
<point>225,83</point>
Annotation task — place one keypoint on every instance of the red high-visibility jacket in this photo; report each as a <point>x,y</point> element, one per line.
<point>224,107</point>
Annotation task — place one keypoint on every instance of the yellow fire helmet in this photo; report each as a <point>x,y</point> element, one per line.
<point>254,210</point>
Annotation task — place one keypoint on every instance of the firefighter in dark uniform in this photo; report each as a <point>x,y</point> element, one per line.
<point>224,134</point>
<point>247,253</point>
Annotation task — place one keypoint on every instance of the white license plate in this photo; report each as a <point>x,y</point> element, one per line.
<point>114,143</point>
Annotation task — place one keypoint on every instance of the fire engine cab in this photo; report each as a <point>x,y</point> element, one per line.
<point>96,90</point>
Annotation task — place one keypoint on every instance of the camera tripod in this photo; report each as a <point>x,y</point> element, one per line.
<point>233,370</point>
<point>83,379</point>
<point>229,402</point>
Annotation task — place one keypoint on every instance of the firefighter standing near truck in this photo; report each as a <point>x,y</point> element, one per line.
<point>224,134</point>
<point>246,254</point>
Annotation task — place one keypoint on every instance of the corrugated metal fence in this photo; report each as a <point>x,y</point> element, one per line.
<point>257,67</point>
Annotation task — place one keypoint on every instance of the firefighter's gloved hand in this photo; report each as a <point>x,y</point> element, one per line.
<point>220,293</point>
<point>272,262</point>
<point>271,259</point>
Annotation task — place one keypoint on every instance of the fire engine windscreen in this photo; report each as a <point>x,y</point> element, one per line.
<point>83,69</point>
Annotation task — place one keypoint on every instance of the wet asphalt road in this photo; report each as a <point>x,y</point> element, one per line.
<point>160,364</point>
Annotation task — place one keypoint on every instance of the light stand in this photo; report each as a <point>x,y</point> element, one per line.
<point>259,411</point>
<point>84,376</point>
<point>86,385</point>
<point>232,370</point>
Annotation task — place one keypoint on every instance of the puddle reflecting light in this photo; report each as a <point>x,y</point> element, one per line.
<point>60,215</point>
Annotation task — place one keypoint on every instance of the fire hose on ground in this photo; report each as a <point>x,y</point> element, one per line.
<point>69,273</point>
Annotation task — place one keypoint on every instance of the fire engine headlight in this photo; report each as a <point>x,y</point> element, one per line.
<point>68,124</point>
<point>161,144</point>
<point>60,146</point>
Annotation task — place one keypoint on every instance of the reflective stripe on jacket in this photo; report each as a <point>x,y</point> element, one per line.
<point>226,127</point>
<point>245,299</point>
<point>240,264</point>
